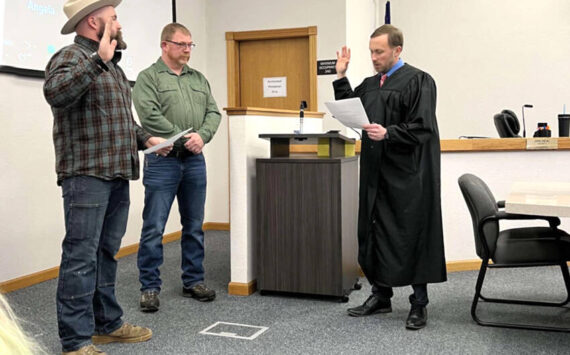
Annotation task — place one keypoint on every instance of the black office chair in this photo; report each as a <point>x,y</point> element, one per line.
<point>507,124</point>
<point>518,247</point>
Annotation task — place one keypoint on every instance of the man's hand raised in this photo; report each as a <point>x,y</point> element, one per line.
<point>107,46</point>
<point>342,60</point>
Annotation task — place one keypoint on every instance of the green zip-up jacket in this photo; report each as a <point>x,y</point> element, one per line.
<point>168,104</point>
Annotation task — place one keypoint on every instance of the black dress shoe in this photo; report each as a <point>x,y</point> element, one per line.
<point>417,319</point>
<point>372,305</point>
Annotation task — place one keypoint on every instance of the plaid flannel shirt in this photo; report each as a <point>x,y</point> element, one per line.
<point>94,132</point>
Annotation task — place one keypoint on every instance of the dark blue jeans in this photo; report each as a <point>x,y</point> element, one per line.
<point>96,213</point>
<point>164,178</point>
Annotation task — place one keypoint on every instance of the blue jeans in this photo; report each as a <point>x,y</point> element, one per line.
<point>164,178</point>
<point>96,213</point>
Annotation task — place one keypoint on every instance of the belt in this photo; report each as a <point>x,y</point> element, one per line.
<point>180,153</point>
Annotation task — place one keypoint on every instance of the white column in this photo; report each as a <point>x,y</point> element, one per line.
<point>245,148</point>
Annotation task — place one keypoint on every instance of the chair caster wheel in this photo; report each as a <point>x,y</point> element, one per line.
<point>357,286</point>
<point>343,299</point>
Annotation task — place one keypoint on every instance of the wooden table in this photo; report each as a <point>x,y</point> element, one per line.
<point>539,198</point>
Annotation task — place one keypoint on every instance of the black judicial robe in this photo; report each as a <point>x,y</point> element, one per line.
<point>400,233</point>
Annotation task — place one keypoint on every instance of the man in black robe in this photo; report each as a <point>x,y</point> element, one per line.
<point>400,235</point>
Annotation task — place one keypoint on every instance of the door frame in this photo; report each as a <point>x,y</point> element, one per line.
<point>233,40</point>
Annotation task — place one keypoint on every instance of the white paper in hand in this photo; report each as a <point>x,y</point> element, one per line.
<point>349,112</point>
<point>167,142</point>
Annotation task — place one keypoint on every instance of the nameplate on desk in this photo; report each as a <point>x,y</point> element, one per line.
<point>541,143</point>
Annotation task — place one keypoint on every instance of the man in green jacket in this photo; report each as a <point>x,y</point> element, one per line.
<point>171,97</point>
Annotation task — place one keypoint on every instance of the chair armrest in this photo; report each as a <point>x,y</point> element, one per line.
<point>552,221</point>
<point>501,204</point>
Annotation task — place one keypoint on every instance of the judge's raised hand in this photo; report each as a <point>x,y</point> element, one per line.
<point>375,131</point>
<point>342,60</point>
<point>107,46</point>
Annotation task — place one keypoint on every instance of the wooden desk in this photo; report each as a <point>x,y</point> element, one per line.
<point>539,198</point>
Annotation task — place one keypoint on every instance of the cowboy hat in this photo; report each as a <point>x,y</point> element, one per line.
<point>76,10</point>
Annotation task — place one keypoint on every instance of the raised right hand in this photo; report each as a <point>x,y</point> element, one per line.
<point>107,46</point>
<point>342,60</point>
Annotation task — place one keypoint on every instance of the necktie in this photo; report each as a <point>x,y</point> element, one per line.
<point>382,79</point>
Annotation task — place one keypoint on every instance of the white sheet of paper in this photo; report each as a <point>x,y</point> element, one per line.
<point>349,112</point>
<point>275,87</point>
<point>167,142</point>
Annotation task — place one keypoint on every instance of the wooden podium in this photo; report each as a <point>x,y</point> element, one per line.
<point>307,217</point>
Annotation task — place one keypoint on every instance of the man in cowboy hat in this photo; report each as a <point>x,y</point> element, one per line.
<point>96,141</point>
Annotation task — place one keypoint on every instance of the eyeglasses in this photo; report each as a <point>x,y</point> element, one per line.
<point>182,45</point>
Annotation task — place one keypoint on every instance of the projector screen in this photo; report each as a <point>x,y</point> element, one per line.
<point>30,32</point>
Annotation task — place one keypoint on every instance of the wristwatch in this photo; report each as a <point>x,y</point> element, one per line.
<point>97,59</point>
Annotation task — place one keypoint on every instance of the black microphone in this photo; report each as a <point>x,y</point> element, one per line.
<point>302,108</point>
<point>524,125</point>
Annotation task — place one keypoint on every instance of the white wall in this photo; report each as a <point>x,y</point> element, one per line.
<point>484,55</point>
<point>31,207</point>
<point>487,55</point>
<point>499,170</point>
<point>360,23</point>
<point>31,219</point>
<point>223,16</point>
<point>246,147</point>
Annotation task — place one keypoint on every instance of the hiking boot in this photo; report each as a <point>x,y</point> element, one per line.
<point>86,350</point>
<point>149,301</point>
<point>199,292</point>
<point>127,333</point>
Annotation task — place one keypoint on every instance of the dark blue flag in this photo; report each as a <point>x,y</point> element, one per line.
<point>387,15</point>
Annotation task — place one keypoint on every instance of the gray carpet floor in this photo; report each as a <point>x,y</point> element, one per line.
<point>306,325</point>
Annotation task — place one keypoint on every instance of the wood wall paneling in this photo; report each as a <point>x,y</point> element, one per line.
<point>274,58</point>
<point>253,55</point>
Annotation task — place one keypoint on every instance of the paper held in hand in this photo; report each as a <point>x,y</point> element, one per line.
<point>349,112</point>
<point>167,142</point>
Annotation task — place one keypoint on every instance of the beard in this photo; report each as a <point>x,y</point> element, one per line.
<point>121,44</point>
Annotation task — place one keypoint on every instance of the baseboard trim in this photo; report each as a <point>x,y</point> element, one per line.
<point>242,289</point>
<point>234,288</point>
<point>246,289</point>
<point>133,248</point>
<point>45,275</point>
<point>29,280</point>
<point>216,226</point>
<point>452,266</point>
<point>463,265</point>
